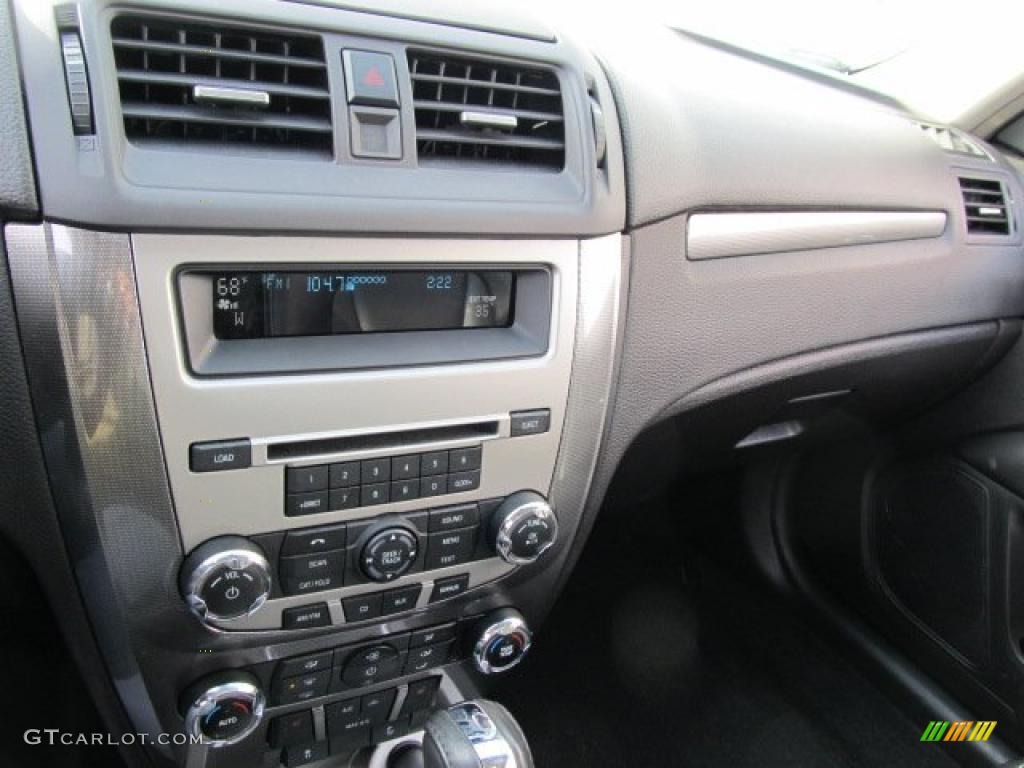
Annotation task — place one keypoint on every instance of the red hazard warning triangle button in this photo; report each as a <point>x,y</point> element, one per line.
<point>370,78</point>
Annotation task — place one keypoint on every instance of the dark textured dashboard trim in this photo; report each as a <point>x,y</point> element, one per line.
<point>17,181</point>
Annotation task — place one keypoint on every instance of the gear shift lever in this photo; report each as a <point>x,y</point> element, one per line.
<point>473,734</point>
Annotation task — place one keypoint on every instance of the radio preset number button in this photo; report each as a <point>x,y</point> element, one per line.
<point>305,479</point>
<point>434,486</point>
<point>405,490</point>
<point>464,459</point>
<point>344,475</point>
<point>434,463</point>
<point>372,495</point>
<point>405,467</point>
<point>375,471</point>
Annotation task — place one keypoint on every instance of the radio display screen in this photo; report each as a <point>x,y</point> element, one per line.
<point>260,305</point>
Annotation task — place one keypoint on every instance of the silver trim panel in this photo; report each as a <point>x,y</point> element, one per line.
<point>721,235</point>
<point>276,408</point>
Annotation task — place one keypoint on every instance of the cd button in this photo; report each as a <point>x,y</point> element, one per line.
<point>361,607</point>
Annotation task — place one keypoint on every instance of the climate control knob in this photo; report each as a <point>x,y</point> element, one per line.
<point>389,554</point>
<point>502,641</point>
<point>224,708</point>
<point>225,578</point>
<point>523,528</point>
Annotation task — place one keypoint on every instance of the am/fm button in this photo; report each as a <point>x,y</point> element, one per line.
<point>220,455</point>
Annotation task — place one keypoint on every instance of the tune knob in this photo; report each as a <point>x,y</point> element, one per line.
<point>224,708</point>
<point>502,640</point>
<point>225,578</point>
<point>523,528</point>
<point>389,554</point>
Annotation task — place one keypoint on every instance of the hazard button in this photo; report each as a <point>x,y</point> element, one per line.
<point>370,78</point>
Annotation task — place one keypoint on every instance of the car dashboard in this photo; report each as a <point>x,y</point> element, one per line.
<point>338,321</point>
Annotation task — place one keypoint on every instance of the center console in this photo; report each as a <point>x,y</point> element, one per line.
<point>313,538</point>
<point>322,476</point>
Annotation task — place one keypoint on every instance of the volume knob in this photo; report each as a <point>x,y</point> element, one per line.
<point>523,528</point>
<point>225,578</point>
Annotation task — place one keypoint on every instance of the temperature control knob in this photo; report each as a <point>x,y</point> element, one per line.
<point>502,640</point>
<point>523,528</point>
<point>224,708</point>
<point>389,554</point>
<point>225,578</point>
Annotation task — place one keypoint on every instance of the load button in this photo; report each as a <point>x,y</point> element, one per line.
<point>220,455</point>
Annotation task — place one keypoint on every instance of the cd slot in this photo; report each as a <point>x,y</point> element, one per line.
<point>380,441</point>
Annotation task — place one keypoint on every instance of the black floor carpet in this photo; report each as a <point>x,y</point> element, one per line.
<point>643,664</point>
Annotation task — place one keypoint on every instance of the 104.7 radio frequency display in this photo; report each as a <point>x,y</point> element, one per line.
<point>259,305</point>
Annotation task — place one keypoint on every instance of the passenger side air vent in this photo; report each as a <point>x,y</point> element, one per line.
<point>951,141</point>
<point>207,83</point>
<point>486,112</point>
<point>985,203</point>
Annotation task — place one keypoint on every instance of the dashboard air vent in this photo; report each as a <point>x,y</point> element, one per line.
<point>486,112</point>
<point>192,82</point>
<point>951,141</point>
<point>985,204</point>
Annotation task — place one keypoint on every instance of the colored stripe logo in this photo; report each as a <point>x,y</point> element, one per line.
<point>961,730</point>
